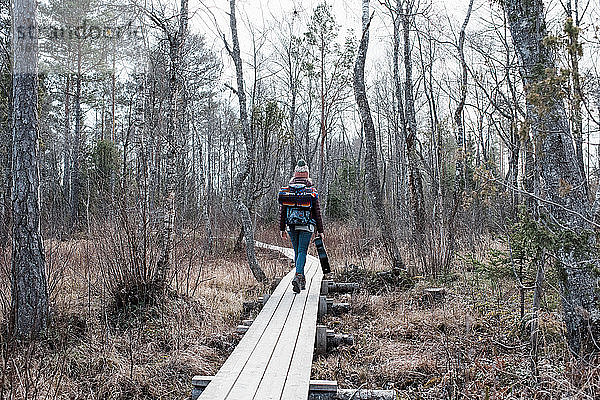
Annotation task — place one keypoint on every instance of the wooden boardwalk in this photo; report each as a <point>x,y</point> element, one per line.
<point>274,358</point>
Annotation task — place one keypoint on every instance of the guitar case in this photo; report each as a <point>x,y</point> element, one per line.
<point>322,255</point>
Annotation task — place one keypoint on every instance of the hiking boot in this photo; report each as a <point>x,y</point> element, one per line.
<point>302,282</point>
<point>296,283</point>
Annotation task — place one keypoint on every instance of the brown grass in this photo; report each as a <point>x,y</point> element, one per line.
<point>471,345</point>
<point>92,351</point>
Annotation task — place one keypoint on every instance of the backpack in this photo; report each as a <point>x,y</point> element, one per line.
<point>298,199</point>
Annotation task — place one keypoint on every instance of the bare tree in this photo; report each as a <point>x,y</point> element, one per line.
<point>373,183</point>
<point>499,84</point>
<point>460,175</point>
<point>247,224</point>
<point>415,180</point>
<point>400,121</point>
<point>331,64</point>
<point>458,113</point>
<point>176,38</point>
<point>574,52</point>
<point>291,55</point>
<point>28,282</point>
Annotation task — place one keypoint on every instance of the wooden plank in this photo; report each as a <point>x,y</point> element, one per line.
<point>322,309</point>
<point>251,375</point>
<point>298,377</point>
<point>241,329</point>
<point>201,381</point>
<point>276,352</point>
<point>322,386</point>
<point>274,377</point>
<point>315,385</point>
<point>231,369</point>
<point>287,251</point>
<point>321,339</point>
<point>325,287</point>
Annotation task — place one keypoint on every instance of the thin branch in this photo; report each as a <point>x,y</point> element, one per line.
<point>546,201</point>
<point>234,90</point>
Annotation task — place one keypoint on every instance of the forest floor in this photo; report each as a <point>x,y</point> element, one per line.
<point>92,351</point>
<point>472,344</point>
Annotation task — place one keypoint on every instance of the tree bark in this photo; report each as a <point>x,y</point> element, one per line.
<point>176,40</point>
<point>29,314</point>
<point>415,180</point>
<point>373,183</point>
<point>67,142</point>
<point>249,142</point>
<point>400,128</point>
<point>76,154</point>
<point>460,178</point>
<point>562,180</point>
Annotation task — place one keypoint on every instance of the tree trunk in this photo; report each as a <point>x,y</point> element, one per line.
<point>400,120</point>
<point>207,208</point>
<point>29,314</point>
<point>292,115</point>
<point>76,154</point>
<point>113,81</point>
<point>67,143</point>
<point>460,179</point>
<point>373,183</point>
<point>415,180</point>
<point>322,177</point>
<point>530,178</point>
<point>249,142</point>
<point>168,224</point>
<point>513,167</point>
<point>574,51</point>
<point>563,181</point>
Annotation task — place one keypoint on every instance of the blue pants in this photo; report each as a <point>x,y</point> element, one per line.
<point>300,241</point>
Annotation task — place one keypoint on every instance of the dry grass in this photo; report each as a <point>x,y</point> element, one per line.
<point>471,345</point>
<point>92,351</point>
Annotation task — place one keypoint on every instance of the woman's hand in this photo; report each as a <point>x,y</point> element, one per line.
<point>282,234</point>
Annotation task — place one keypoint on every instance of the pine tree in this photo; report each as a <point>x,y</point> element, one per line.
<point>28,281</point>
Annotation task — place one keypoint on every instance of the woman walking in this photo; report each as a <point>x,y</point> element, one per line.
<point>300,215</point>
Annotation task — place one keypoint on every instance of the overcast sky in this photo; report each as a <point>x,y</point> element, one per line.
<point>263,15</point>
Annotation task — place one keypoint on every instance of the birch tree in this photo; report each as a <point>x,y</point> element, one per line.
<point>460,177</point>
<point>458,113</point>
<point>176,37</point>
<point>28,281</point>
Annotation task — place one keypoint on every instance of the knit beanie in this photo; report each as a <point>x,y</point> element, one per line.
<point>301,170</point>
